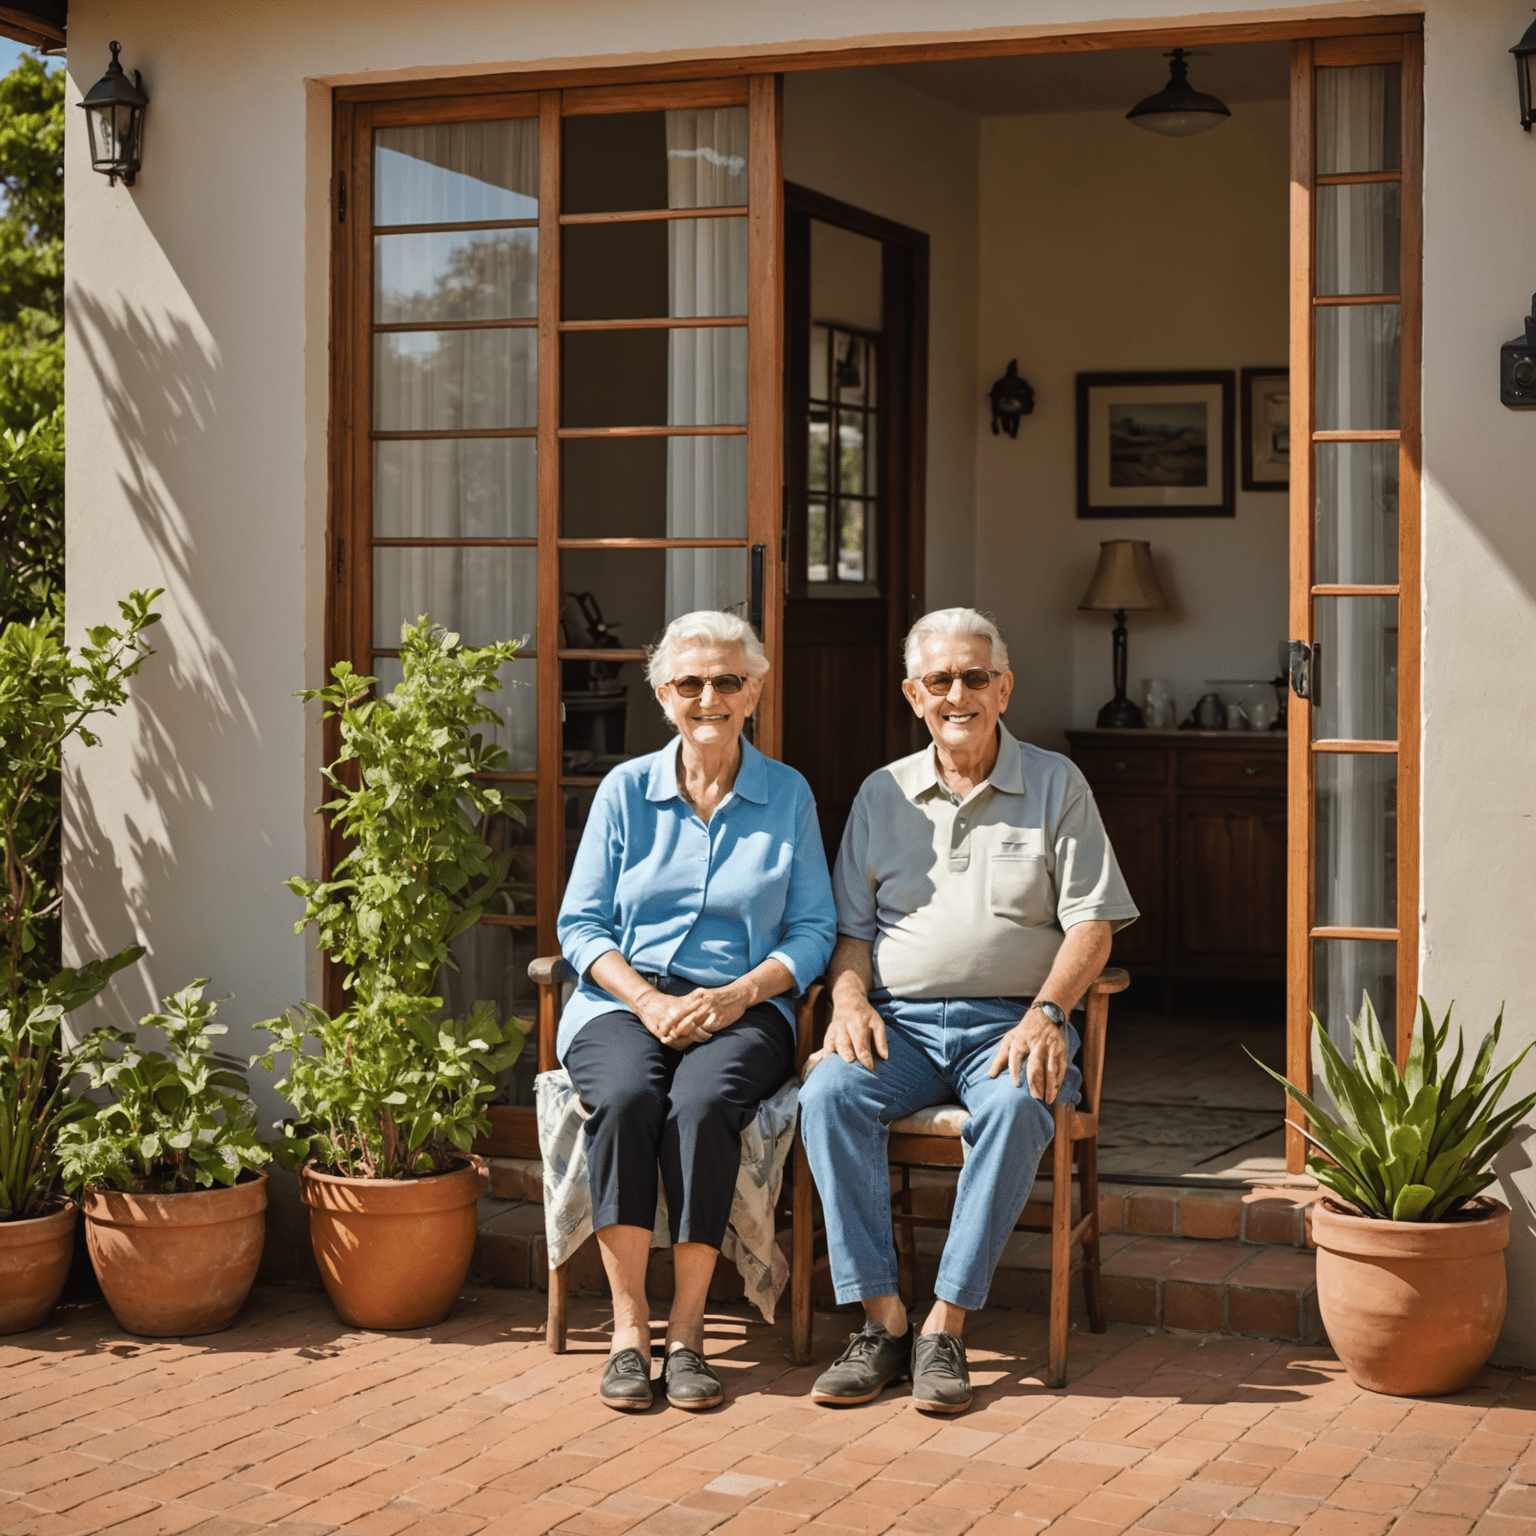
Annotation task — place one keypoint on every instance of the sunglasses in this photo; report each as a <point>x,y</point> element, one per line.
<point>974,678</point>
<point>725,683</point>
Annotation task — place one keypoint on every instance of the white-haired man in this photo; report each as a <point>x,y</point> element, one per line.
<point>976,895</point>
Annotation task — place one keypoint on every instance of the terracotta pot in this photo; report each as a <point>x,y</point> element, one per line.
<point>34,1264</point>
<point>175,1265</point>
<point>394,1252</point>
<point>1412,1307</point>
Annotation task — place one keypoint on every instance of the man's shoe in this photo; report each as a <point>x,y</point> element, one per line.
<point>872,1361</point>
<point>688,1381</point>
<point>940,1381</point>
<point>626,1382</point>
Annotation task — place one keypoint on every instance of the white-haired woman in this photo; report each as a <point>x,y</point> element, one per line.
<point>699,904</point>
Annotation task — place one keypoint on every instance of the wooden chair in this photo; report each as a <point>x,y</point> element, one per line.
<point>549,973</point>
<point>931,1139</point>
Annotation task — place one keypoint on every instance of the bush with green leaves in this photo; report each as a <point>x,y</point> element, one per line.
<point>1413,1145</point>
<point>390,1088</point>
<point>170,1123</point>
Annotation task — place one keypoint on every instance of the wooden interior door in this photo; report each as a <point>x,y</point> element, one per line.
<point>1356,190</point>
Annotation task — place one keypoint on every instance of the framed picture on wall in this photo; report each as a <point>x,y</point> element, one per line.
<point>1266,429</point>
<point>1155,444</point>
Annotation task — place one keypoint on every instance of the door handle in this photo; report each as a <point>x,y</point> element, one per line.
<point>755,603</point>
<point>1301,660</point>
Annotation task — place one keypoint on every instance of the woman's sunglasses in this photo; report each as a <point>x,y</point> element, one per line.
<point>724,683</point>
<point>974,678</point>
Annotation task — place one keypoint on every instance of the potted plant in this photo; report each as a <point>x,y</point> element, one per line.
<point>388,1095</point>
<point>169,1171</point>
<point>1410,1253</point>
<point>49,694</point>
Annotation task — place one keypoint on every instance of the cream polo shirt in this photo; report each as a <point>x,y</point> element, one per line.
<point>973,898</point>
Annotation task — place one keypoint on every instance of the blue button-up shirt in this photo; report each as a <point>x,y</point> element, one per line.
<point>705,903</point>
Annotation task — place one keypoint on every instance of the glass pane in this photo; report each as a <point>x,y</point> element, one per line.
<point>1359,119</point>
<point>484,594</point>
<point>1356,513</point>
<point>655,487</point>
<point>516,702</point>
<point>448,381</point>
<point>611,714</point>
<point>456,173</point>
<point>578,806</point>
<point>1355,670</point>
<point>1357,238</point>
<point>1344,973</point>
<point>481,274</point>
<point>688,378</point>
<point>639,591</point>
<point>691,158</point>
<point>819,388</point>
<point>492,966</point>
<point>469,488</point>
<point>816,542</point>
<point>686,267</point>
<point>820,432</point>
<point>852,564</point>
<point>1356,840</point>
<point>1357,367</point>
<point>855,370</point>
<point>856,456</point>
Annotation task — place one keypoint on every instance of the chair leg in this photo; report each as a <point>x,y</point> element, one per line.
<point>1061,1252</point>
<point>801,1279</point>
<point>554,1325</point>
<point>906,1251</point>
<point>1093,1279</point>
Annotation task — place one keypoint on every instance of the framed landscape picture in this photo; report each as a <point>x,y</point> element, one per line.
<point>1266,429</point>
<point>1155,444</point>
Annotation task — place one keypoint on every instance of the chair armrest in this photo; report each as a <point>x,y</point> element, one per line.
<point>810,1021</point>
<point>1110,979</point>
<point>545,971</point>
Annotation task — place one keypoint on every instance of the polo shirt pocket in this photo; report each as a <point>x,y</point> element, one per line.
<point>1019,888</point>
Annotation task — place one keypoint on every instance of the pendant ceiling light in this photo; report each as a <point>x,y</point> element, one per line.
<point>1176,110</point>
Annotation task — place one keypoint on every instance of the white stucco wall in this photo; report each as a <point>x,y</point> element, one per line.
<point>197,404</point>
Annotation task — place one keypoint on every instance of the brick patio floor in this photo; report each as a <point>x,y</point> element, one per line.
<point>293,1423</point>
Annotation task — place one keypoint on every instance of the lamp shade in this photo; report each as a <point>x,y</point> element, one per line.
<point>1124,578</point>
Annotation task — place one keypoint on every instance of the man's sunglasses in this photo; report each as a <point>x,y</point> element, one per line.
<point>725,683</point>
<point>974,678</point>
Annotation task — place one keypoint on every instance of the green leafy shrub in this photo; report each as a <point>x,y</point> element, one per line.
<point>1413,1145</point>
<point>390,1088</point>
<point>172,1123</point>
<point>31,518</point>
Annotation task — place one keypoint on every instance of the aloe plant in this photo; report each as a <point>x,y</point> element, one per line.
<point>1413,1145</point>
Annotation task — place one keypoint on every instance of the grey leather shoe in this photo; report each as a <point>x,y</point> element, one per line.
<point>871,1362</point>
<point>940,1381</point>
<point>626,1383</point>
<point>689,1382</point>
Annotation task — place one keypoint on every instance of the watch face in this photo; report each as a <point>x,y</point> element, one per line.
<point>1054,1014</point>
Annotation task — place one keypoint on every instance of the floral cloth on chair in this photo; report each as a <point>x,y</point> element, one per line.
<point>749,1241</point>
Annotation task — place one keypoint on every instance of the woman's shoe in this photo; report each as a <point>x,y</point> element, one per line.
<point>626,1383</point>
<point>688,1381</point>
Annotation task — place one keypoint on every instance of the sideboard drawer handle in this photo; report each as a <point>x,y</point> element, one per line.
<point>1249,769</point>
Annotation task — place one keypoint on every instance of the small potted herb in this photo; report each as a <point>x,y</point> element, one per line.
<point>389,1095</point>
<point>169,1170</point>
<point>1410,1262</point>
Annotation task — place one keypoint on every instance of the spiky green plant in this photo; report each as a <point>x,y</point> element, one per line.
<point>1413,1145</point>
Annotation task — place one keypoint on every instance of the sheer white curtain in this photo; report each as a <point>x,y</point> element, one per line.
<point>707,373</point>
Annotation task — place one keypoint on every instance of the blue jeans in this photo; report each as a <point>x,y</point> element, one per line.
<point>941,1050</point>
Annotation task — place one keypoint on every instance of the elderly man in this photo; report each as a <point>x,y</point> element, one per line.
<point>976,895</point>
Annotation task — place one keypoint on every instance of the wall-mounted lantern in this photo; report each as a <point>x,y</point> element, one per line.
<point>114,114</point>
<point>1011,398</point>
<point>1525,68</point>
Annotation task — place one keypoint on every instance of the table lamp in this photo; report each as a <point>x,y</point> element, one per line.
<point>1123,580</point>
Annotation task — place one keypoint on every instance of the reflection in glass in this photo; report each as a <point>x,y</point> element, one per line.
<point>445,381</point>
<point>1356,840</point>
<point>1355,513</point>
<point>1344,973</point>
<point>578,806</point>
<point>820,384</point>
<point>640,590</point>
<point>516,702</point>
<point>611,714</point>
<point>456,173</point>
<point>491,962</point>
<point>1355,669</point>
<point>1357,237</point>
<point>479,274</point>
<point>683,267</point>
<point>679,378</point>
<point>820,432</point>
<point>627,161</point>
<point>1358,367</point>
<point>1359,118</point>
<point>816,561</point>
<point>437,488</point>
<point>654,487</point>
<point>852,553</point>
<point>856,459</point>
<point>854,372</point>
<point>483,594</point>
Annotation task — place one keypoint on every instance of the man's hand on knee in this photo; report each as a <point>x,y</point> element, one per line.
<point>1035,1040</point>
<point>856,1033</point>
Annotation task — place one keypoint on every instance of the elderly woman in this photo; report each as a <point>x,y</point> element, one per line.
<point>698,906</point>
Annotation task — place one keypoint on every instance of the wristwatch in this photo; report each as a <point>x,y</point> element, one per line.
<point>1054,1014</point>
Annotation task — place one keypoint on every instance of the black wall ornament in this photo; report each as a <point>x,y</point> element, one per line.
<point>1012,399</point>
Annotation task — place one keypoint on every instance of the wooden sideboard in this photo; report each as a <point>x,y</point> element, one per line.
<point>1198,823</point>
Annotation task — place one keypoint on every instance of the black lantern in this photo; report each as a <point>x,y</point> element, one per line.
<point>114,114</point>
<point>1525,52</point>
<point>1011,398</point>
<point>1177,110</point>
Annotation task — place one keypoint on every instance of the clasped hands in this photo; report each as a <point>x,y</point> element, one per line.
<point>692,1018</point>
